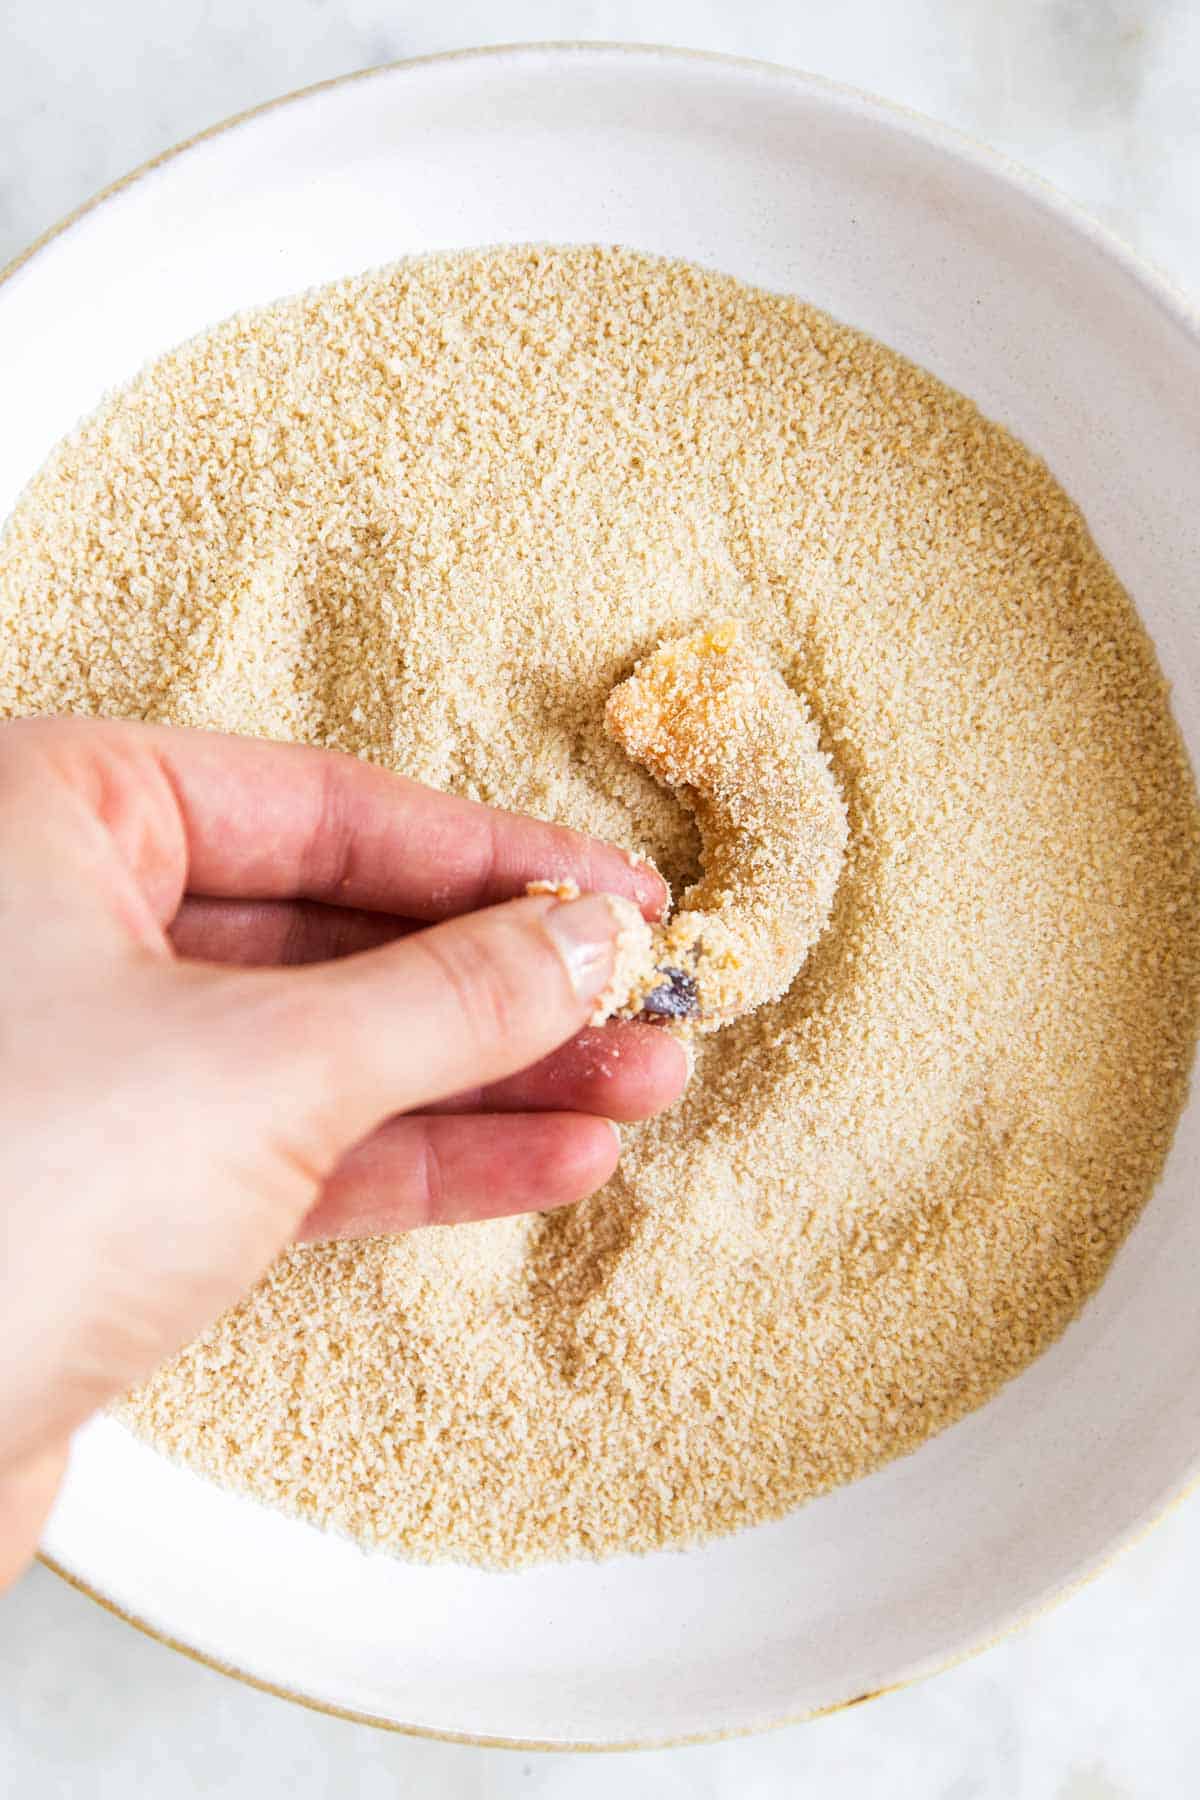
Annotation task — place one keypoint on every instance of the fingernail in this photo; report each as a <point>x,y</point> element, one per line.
<point>652,886</point>
<point>616,1131</point>
<point>584,934</point>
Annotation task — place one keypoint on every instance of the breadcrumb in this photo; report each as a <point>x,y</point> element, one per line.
<point>433,516</point>
<point>710,719</point>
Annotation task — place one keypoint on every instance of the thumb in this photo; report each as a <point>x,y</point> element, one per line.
<point>460,1005</point>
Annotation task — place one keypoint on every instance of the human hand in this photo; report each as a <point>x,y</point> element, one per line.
<point>176,1105</point>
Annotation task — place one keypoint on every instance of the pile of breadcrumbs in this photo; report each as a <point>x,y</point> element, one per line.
<point>433,516</point>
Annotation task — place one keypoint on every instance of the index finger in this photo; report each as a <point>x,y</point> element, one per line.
<point>269,821</point>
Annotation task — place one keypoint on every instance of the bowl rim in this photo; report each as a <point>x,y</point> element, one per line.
<point>1171,299</point>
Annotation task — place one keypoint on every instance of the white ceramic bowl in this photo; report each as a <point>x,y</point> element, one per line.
<point>988,279</point>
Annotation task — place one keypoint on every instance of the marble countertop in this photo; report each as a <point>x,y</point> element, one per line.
<point>1097,1700</point>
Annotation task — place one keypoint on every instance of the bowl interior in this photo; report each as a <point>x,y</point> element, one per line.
<point>988,281</point>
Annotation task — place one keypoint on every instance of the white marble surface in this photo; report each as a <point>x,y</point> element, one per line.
<point>1096,1701</point>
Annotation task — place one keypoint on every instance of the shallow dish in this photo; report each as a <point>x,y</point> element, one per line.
<point>1001,289</point>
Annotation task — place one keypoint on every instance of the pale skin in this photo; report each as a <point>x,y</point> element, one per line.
<point>255,993</point>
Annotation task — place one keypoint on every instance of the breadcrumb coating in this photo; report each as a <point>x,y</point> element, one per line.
<point>713,721</point>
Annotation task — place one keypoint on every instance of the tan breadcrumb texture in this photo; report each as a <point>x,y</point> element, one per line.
<point>433,516</point>
<point>711,719</point>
